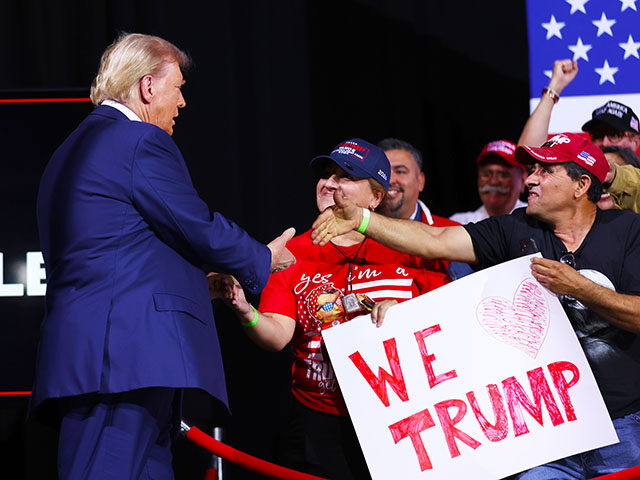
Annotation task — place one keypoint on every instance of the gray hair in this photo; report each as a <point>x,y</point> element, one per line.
<point>397,144</point>
<point>129,58</point>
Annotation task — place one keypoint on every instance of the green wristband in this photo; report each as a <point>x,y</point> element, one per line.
<point>366,214</point>
<point>252,322</point>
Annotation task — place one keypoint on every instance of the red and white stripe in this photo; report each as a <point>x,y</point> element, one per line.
<point>398,289</point>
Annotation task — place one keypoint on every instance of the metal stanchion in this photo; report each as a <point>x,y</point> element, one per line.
<point>216,461</point>
<point>242,459</point>
<point>214,472</point>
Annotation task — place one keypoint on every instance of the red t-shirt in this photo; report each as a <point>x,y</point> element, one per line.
<point>310,292</point>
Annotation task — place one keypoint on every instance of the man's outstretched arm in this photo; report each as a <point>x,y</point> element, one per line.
<point>415,238</point>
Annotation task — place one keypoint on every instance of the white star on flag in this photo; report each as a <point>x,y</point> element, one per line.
<point>606,73</point>
<point>628,4</point>
<point>553,28</point>
<point>604,39</point>
<point>577,5</point>
<point>580,50</point>
<point>604,25</point>
<point>630,48</point>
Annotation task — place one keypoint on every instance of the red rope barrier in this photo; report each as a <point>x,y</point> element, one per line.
<point>628,474</point>
<point>211,474</point>
<point>243,459</point>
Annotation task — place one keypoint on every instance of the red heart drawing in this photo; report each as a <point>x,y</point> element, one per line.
<point>523,323</point>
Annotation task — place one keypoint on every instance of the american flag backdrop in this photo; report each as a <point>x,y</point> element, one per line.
<point>603,36</point>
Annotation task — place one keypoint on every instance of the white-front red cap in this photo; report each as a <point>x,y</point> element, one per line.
<point>567,147</point>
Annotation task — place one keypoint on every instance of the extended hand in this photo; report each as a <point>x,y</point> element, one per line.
<point>228,289</point>
<point>281,257</point>
<point>558,277</point>
<point>336,220</point>
<point>564,71</point>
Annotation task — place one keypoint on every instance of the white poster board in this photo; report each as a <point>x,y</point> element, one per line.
<point>481,378</point>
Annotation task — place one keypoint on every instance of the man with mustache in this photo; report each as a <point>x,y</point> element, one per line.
<point>500,182</point>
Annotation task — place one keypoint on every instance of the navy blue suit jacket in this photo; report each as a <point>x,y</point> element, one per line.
<point>124,236</point>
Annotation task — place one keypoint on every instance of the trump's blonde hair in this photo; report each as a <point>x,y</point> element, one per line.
<point>129,58</point>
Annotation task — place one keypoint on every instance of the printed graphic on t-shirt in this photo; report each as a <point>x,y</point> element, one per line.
<point>584,321</point>
<point>319,304</point>
<point>324,305</point>
<point>318,373</point>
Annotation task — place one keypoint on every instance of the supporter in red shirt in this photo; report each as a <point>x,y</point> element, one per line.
<point>310,296</point>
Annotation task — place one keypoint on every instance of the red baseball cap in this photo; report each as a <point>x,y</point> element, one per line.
<point>567,147</point>
<point>504,149</point>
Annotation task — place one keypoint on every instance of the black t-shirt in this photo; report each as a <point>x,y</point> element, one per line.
<point>610,256</point>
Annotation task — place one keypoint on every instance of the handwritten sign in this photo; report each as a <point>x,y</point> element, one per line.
<point>481,378</point>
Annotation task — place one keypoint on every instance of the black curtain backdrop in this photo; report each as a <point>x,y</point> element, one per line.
<point>273,84</point>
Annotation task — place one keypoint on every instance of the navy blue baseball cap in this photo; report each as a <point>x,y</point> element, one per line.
<point>361,159</point>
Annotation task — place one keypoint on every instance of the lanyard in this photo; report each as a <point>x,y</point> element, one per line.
<point>349,287</point>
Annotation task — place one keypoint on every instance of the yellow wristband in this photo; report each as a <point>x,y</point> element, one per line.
<point>366,214</point>
<point>252,322</point>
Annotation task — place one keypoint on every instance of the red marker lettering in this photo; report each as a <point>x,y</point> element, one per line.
<point>451,432</point>
<point>411,427</point>
<point>556,370</point>
<point>379,383</point>
<point>428,359</point>
<point>516,395</point>
<point>493,432</point>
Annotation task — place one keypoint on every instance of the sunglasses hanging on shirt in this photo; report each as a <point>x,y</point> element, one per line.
<point>570,259</point>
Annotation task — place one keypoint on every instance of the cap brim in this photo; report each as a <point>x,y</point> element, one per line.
<point>526,155</point>
<point>508,159</point>
<point>317,163</point>
<point>610,121</point>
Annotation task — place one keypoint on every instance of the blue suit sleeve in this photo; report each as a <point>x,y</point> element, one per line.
<point>163,193</point>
